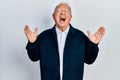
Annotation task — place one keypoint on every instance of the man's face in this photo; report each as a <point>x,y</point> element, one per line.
<point>62,16</point>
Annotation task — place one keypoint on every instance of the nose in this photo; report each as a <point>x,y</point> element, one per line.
<point>63,11</point>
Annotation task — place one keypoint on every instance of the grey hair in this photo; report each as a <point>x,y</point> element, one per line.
<point>63,3</point>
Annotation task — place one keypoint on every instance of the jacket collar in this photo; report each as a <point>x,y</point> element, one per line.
<point>71,30</point>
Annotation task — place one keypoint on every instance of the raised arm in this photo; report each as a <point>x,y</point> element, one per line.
<point>32,46</point>
<point>91,49</point>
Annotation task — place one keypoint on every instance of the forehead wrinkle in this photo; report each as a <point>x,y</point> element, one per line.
<point>65,4</point>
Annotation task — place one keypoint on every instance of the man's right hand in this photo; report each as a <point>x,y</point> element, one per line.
<point>31,36</point>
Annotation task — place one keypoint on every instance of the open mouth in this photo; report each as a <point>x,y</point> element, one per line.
<point>62,19</point>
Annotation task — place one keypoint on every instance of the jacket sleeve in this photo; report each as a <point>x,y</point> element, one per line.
<point>91,51</point>
<point>33,50</point>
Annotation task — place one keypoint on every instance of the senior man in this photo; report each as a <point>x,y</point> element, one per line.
<point>62,50</point>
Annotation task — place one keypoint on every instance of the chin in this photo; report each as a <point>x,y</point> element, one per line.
<point>61,25</point>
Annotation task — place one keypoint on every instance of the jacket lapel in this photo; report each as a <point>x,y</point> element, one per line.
<point>69,38</point>
<point>54,36</point>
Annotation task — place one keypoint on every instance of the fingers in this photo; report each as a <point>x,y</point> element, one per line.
<point>102,30</point>
<point>26,27</point>
<point>97,36</point>
<point>100,33</point>
<point>89,34</point>
<point>27,30</point>
<point>36,30</point>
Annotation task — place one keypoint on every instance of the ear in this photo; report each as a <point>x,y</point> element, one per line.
<point>70,17</point>
<point>53,15</point>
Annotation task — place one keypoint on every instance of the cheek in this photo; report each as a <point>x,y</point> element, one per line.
<point>56,17</point>
<point>69,18</point>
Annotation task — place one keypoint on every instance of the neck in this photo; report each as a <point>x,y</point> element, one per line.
<point>62,28</point>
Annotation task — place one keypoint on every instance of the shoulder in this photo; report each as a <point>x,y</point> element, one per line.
<point>44,33</point>
<point>79,32</point>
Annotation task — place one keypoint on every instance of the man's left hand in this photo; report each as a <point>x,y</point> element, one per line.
<point>96,37</point>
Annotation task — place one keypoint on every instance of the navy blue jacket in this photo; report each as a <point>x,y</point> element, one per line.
<point>78,50</point>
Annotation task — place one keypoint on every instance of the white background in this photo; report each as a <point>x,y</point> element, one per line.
<point>87,15</point>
